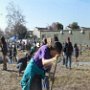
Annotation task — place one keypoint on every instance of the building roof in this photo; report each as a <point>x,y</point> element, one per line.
<point>46,30</point>
<point>86,28</point>
<point>40,28</point>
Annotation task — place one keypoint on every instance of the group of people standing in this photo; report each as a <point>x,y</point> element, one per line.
<point>7,50</point>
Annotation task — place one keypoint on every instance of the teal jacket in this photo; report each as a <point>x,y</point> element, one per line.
<point>31,70</point>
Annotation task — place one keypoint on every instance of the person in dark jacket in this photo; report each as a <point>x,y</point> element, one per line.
<point>63,54</point>
<point>22,62</point>
<point>4,52</point>
<point>15,53</point>
<point>68,50</point>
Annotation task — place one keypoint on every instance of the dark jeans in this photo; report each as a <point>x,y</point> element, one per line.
<point>36,83</point>
<point>45,83</point>
<point>68,61</point>
<point>21,67</point>
<point>63,60</point>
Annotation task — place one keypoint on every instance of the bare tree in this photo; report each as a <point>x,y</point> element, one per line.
<point>9,32</point>
<point>15,20</point>
<point>20,31</point>
<point>1,32</point>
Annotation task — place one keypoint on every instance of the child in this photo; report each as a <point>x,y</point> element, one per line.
<point>39,63</point>
<point>22,63</point>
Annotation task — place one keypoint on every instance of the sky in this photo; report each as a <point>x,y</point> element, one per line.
<point>41,13</point>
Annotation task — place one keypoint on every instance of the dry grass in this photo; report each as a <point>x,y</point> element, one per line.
<point>9,80</point>
<point>76,79</point>
<point>85,56</point>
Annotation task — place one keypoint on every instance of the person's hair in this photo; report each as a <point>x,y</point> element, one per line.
<point>57,46</point>
<point>44,41</point>
<point>68,39</point>
<point>3,40</point>
<point>75,45</point>
<point>56,38</point>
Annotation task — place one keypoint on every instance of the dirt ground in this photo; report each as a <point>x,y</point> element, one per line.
<point>9,80</point>
<point>78,78</point>
<point>74,79</point>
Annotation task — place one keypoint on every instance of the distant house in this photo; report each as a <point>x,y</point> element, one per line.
<point>45,32</point>
<point>37,31</point>
<point>80,36</point>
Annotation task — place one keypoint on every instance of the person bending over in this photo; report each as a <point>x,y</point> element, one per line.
<point>41,60</point>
